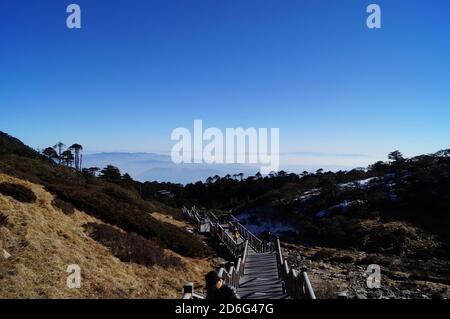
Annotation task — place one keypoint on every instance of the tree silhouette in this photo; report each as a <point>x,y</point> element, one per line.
<point>241,176</point>
<point>67,158</point>
<point>59,146</point>
<point>378,167</point>
<point>111,174</point>
<point>50,153</point>
<point>77,148</point>
<point>93,170</point>
<point>396,156</point>
<point>127,180</point>
<point>398,160</point>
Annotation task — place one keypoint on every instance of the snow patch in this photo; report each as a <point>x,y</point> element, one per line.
<point>363,183</point>
<point>260,224</point>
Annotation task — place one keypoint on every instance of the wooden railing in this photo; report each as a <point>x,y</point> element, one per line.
<point>214,218</point>
<point>233,247</point>
<point>201,223</point>
<point>233,275</point>
<point>189,293</point>
<point>257,244</point>
<point>210,223</point>
<point>297,285</point>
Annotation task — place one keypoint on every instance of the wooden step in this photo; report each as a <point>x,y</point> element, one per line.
<point>261,278</point>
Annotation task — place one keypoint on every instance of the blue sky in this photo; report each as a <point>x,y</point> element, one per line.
<point>138,69</point>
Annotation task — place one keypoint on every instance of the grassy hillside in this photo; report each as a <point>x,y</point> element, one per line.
<point>52,216</point>
<point>114,204</point>
<point>42,241</point>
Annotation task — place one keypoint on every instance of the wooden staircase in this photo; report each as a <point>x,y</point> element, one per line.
<point>260,271</point>
<point>261,279</point>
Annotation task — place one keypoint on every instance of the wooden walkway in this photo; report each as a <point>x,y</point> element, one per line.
<point>226,227</point>
<point>261,278</point>
<point>260,272</point>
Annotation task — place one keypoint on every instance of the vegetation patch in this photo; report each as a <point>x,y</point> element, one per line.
<point>345,259</point>
<point>67,208</point>
<point>114,204</point>
<point>131,247</point>
<point>3,219</point>
<point>323,254</point>
<point>131,215</point>
<point>11,145</point>
<point>18,192</point>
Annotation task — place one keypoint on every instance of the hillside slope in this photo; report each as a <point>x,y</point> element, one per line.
<point>43,241</point>
<point>117,203</point>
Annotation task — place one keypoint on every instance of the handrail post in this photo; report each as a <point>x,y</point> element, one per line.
<point>279,250</point>
<point>188,290</point>
<point>295,289</point>
<point>307,285</point>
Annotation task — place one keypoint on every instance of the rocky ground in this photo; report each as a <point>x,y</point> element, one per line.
<point>333,271</point>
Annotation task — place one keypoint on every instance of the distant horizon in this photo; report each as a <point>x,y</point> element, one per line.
<point>196,172</point>
<point>370,158</point>
<point>290,167</point>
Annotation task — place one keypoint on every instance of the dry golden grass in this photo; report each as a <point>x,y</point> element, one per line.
<point>43,241</point>
<point>169,220</point>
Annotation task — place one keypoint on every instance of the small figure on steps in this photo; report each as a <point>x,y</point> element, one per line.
<point>217,289</point>
<point>235,233</point>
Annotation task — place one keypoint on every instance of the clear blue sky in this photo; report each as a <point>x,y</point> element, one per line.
<point>138,69</point>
